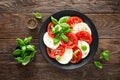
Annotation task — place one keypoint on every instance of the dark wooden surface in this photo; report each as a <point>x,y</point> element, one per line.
<point>14,14</point>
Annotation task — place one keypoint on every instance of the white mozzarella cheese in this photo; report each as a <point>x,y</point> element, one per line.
<point>86,46</point>
<point>66,57</point>
<point>48,41</point>
<point>81,27</point>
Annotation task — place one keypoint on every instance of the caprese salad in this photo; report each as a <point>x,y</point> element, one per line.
<point>68,39</point>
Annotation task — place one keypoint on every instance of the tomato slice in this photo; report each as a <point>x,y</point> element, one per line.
<point>76,56</point>
<point>85,36</point>
<point>54,52</point>
<point>74,20</point>
<point>49,30</point>
<point>72,40</point>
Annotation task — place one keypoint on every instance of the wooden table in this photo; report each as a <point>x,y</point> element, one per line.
<point>14,14</point>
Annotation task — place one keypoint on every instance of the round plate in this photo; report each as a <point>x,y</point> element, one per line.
<point>93,46</point>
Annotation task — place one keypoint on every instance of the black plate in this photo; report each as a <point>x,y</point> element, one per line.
<point>93,46</point>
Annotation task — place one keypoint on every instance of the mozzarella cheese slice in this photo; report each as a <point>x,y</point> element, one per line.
<point>48,41</point>
<point>86,49</point>
<point>81,27</point>
<point>66,57</point>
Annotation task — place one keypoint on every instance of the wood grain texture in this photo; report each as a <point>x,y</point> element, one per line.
<point>39,71</point>
<point>14,15</point>
<point>86,6</point>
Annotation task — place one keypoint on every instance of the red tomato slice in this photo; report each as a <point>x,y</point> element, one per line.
<point>77,56</point>
<point>74,20</point>
<point>49,30</point>
<point>54,52</point>
<point>85,36</point>
<point>72,41</point>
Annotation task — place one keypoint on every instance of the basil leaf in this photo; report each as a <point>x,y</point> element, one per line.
<point>68,30</point>
<point>54,20</point>
<point>30,48</point>
<point>23,50</point>
<point>98,64</point>
<point>65,26</point>
<point>25,54</point>
<point>27,40</point>
<point>26,60</point>
<point>104,55</point>
<point>19,59</point>
<point>56,40</point>
<point>17,52</point>
<point>32,54</point>
<point>55,29</point>
<point>64,38</point>
<point>37,15</point>
<point>20,42</point>
<point>84,47</point>
<point>58,57</point>
<point>63,19</point>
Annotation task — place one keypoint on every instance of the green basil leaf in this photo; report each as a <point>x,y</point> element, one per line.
<point>32,54</point>
<point>56,40</point>
<point>27,40</point>
<point>54,20</point>
<point>25,54</point>
<point>84,47</point>
<point>64,19</point>
<point>20,42</point>
<point>68,30</point>
<point>104,55</point>
<point>64,38</point>
<point>17,52</point>
<point>58,57</point>
<point>19,59</point>
<point>37,15</point>
<point>30,48</point>
<point>98,64</point>
<point>26,60</point>
<point>23,50</point>
<point>65,26</point>
<point>55,29</point>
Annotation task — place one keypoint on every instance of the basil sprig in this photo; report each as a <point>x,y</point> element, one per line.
<point>37,15</point>
<point>103,55</point>
<point>60,29</point>
<point>98,64</point>
<point>24,51</point>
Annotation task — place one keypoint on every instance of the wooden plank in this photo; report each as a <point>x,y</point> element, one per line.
<point>15,25</point>
<point>39,71</point>
<point>112,45</point>
<point>85,6</point>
